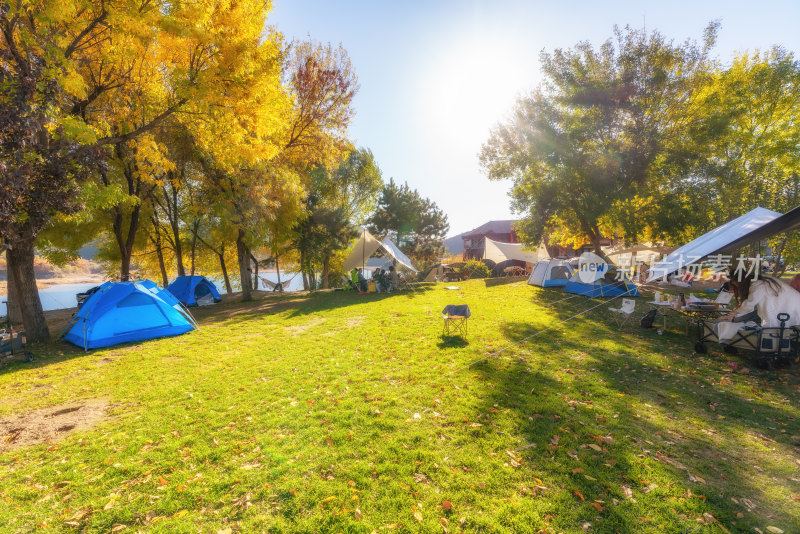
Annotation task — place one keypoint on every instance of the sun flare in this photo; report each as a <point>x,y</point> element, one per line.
<point>474,86</point>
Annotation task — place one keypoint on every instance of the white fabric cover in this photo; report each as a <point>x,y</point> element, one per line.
<point>712,241</point>
<point>397,254</point>
<point>642,253</point>
<point>362,250</point>
<point>498,252</point>
<point>367,245</point>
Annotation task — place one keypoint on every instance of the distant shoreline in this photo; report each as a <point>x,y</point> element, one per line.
<point>44,283</point>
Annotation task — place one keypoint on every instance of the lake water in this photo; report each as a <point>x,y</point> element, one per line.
<point>56,297</point>
<point>63,296</point>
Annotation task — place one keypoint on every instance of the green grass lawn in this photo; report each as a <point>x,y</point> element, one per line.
<point>340,413</point>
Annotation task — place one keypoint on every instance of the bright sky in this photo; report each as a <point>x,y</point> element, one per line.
<point>435,76</point>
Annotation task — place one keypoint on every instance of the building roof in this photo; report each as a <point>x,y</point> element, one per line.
<point>491,227</point>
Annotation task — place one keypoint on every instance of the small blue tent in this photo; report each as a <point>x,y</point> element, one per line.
<point>612,284</point>
<point>120,312</point>
<point>194,290</point>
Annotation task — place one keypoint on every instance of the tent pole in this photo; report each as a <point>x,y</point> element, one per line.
<point>363,245</point>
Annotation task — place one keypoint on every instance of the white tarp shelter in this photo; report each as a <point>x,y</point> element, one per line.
<point>713,242</point>
<point>498,252</point>
<point>397,254</point>
<point>643,252</point>
<point>367,245</point>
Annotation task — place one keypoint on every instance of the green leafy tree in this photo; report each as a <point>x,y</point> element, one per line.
<point>754,158</point>
<point>415,223</point>
<point>598,132</point>
<point>337,203</point>
<point>80,76</point>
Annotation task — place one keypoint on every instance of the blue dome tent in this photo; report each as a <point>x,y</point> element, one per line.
<point>551,273</point>
<point>120,312</point>
<point>194,290</point>
<point>613,284</point>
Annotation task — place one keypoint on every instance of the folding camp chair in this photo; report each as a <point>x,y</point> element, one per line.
<point>349,284</point>
<point>455,318</point>
<point>723,299</point>
<point>624,313</point>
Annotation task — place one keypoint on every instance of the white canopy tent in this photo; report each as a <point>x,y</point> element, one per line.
<point>713,242</point>
<point>498,252</point>
<point>367,245</point>
<point>397,254</point>
<point>643,252</point>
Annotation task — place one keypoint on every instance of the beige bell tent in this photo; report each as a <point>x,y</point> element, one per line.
<point>367,245</point>
<point>439,272</point>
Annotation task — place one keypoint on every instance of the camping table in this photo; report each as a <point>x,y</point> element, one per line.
<point>514,270</point>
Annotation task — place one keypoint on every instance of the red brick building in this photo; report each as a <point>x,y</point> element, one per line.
<point>502,231</point>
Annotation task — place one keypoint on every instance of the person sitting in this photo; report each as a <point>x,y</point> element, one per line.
<point>767,296</point>
<point>352,280</point>
<point>380,280</point>
<point>362,282</point>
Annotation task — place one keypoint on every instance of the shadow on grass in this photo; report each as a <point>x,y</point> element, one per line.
<point>452,342</point>
<point>662,422</point>
<point>503,280</point>
<point>45,354</point>
<point>340,299</point>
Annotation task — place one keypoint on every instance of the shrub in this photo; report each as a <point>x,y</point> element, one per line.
<point>476,269</point>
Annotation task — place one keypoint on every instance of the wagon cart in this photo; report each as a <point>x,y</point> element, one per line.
<point>772,346</point>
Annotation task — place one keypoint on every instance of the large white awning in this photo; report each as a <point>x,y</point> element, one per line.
<point>397,254</point>
<point>713,242</point>
<point>498,252</point>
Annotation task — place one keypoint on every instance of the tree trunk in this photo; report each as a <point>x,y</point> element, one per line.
<point>160,254</point>
<point>222,266</point>
<point>325,270</point>
<point>125,242</point>
<point>20,266</point>
<point>255,270</point>
<point>312,279</point>
<point>159,249</point>
<point>194,242</point>
<point>125,267</point>
<point>178,249</point>
<point>13,310</point>
<point>303,269</point>
<point>174,223</point>
<point>595,235</point>
<point>277,269</point>
<point>244,266</point>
